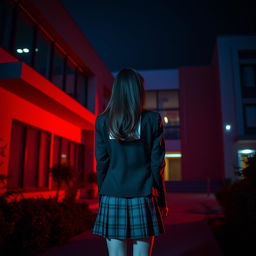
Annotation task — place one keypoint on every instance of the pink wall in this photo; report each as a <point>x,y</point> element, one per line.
<point>201,128</point>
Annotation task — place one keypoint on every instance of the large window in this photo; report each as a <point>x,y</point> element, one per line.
<point>250,118</point>
<point>29,157</point>
<point>5,23</point>
<point>247,59</point>
<point>30,43</point>
<point>58,69</point>
<point>248,73</point>
<point>82,88</point>
<point>166,102</point>
<point>69,86</point>
<point>42,54</point>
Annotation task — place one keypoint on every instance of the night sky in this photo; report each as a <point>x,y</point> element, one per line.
<point>159,34</point>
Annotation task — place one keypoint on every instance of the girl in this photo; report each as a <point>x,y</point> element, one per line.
<point>130,151</point>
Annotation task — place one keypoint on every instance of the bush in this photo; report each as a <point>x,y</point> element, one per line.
<point>30,226</point>
<point>238,200</point>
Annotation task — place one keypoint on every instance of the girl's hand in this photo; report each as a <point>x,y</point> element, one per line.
<point>164,211</point>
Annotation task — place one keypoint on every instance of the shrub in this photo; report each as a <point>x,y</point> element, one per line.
<point>30,226</point>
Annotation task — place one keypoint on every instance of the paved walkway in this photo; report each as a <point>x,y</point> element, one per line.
<point>187,233</point>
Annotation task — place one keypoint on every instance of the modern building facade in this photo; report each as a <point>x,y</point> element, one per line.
<point>52,86</point>
<point>209,115</point>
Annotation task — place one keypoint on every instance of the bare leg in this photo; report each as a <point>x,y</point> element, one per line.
<point>117,247</point>
<point>143,247</point>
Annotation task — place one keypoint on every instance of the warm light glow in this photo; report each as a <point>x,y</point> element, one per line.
<point>25,50</point>
<point>173,155</point>
<point>166,119</point>
<point>63,155</point>
<point>246,151</point>
<point>19,50</point>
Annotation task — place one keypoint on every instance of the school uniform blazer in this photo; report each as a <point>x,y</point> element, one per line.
<point>135,168</point>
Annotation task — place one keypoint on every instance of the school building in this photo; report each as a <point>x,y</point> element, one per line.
<point>53,85</point>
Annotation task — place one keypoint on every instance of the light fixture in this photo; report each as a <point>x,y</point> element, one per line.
<point>25,50</point>
<point>19,50</point>
<point>228,127</point>
<point>246,151</point>
<point>173,155</point>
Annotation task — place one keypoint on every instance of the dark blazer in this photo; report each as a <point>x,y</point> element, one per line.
<point>135,168</point>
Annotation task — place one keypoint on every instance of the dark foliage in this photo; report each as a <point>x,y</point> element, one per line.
<point>30,226</point>
<point>236,231</point>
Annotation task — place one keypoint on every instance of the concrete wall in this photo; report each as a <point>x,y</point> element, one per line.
<point>201,141</point>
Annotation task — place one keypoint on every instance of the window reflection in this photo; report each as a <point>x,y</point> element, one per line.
<point>150,100</point>
<point>42,54</point>
<point>82,88</point>
<point>168,99</point>
<point>166,102</point>
<point>5,24</point>
<point>58,68</point>
<point>248,75</point>
<point>250,115</point>
<point>19,34</point>
<point>70,79</point>
<point>170,118</point>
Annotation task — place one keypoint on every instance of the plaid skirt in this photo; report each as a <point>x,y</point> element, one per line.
<point>128,218</point>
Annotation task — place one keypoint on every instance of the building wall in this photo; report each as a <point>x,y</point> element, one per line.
<point>60,114</point>
<point>230,95</point>
<point>201,129</point>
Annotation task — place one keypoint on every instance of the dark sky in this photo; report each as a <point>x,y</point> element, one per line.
<point>159,34</point>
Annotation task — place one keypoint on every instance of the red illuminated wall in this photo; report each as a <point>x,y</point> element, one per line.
<point>31,99</point>
<point>201,128</point>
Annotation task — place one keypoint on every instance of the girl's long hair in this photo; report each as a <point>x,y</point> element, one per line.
<point>126,105</point>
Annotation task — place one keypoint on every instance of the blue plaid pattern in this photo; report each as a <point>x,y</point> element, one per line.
<point>134,218</point>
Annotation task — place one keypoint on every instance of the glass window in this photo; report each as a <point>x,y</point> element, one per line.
<point>58,68</point>
<point>72,154</point>
<point>168,107</point>
<point>250,116</point>
<point>5,23</point>
<point>248,73</point>
<point>69,152</point>
<point>70,79</point>
<point>15,168</point>
<point>64,151</point>
<point>150,100</point>
<point>82,88</point>
<point>31,158</point>
<point>23,38</point>
<point>171,133</point>
<point>44,159</point>
<point>170,118</point>
<point>42,54</point>
<point>168,99</point>
<point>56,150</point>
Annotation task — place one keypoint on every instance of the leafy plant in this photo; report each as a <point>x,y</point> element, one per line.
<point>61,173</point>
<point>238,200</point>
<point>30,225</point>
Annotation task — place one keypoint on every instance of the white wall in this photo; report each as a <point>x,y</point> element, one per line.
<point>231,105</point>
